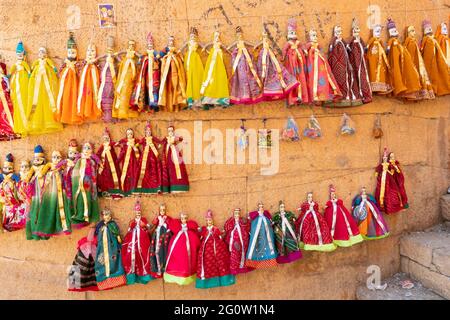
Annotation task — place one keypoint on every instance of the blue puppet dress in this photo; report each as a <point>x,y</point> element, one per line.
<point>369,218</point>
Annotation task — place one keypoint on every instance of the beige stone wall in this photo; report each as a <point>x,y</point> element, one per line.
<point>417,132</point>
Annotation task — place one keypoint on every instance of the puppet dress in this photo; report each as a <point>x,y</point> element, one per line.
<point>344,230</point>
<point>378,67</point>
<point>400,180</point>
<point>82,272</point>
<point>387,192</point>
<point>35,185</point>
<point>126,78</point>
<point>437,66</point>
<point>54,211</point>
<point>129,163</point>
<point>135,253</point>
<point>262,251</point>
<point>108,178</point>
<point>13,212</point>
<point>369,218</point>
<point>194,76</point>
<point>87,106</point>
<point>295,63</point>
<point>285,237</point>
<point>66,102</point>
<point>237,236</point>
<point>106,90</point>
<point>159,245</point>
<point>213,268</point>
<point>245,83</point>
<point>312,228</point>
<point>174,174</point>
<point>181,264</point>
<point>20,74</point>
<point>149,168</point>
<point>109,271</point>
<point>24,197</point>
<point>6,107</point>
<point>214,90</point>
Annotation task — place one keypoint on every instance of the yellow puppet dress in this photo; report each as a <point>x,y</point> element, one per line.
<point>20,72</point>
<point>194,73</point>
<point>42,93</point>
<point>124,88</point>
<point>436,65</point>
<point>87,106</point>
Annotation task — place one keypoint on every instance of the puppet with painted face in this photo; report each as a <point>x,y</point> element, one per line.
<point>312,228</point>
<point>135,249</point>
<point>109,270</point>
<point>6,106</point>
<point>160,238</point>
<point>426,91</point>
<point>108,179</point>
<point>23,190</point>
<point>149,168</point>
<point>435,61</point>
<point>443,40</point>
<point>84,188</point>
<point>20,74</point>
<point>394,166</point>
<point>13,213</point>
<point>54,212</point>
<point>42,95</point>
<point>213,264</point>
<point>181,264</point>
<point>356,48</point>
<point>378,64</point>
<point>129,162</point>
<point>341,67</point>
<point>68,164</point>
<point>321,82</point>
<point>285,235</point>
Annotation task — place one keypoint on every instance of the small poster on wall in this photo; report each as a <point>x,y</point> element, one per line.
<point>106,15</point>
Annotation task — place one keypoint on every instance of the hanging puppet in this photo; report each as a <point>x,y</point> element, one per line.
<point>135,249</point>
<point>181,263</point>
<point>262,251</point>
<point>149,167</point>
<point>108,78</point>
<point>285,235</point>
<point>20,74</point>
<point>295,62</point>
<point>42,93</point>
<point>6,107</point>
<point>129,162</point>
<point>108,179</point>
<point>214,90</point>
<point>378,64</point>
<point>145,93</point>
<point>443,40</point>
<point>312,228</point>
<point>109,271</point>
<point>160,238</point>
<point>66,103</point>
<point>347,127</point>
<point>313,129</point>
<point>356,48</point>
<point>23,190</point>
<point>68,164</point>
<point>172,90</point>
<point>237,235</point>
<point>290,131</point>
<point>394,166</point>
<point>435,61</point>
<point>341,67</point>
<point>368,216</point>
<point>194,70</point>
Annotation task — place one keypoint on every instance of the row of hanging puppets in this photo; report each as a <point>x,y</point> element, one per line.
<point>120,85</point>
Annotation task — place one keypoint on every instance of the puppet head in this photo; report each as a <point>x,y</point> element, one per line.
<point>8,165</point>
<point>56,157</point>
<point>20,51</point>
<point>376,30</point>
<point>337,31</point>
<point>73,151</point>
<point>42,53</point>
<point>72,51</point>
<point>392,29</point>
<point>292,29</point>
<point>209,218</point>
<point>427,27</point>
<point>355,28</point>
<point>39,156</point>
<point>313,35</point>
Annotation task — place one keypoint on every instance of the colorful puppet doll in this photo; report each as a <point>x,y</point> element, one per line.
<point>344,230</point>
<point>87,105</point>
<point>277,82</point>
<point>435,61</point>
<point>159,246</point>
<point>379,69</point>
<point>174,174</point>
<point>124,85</point>
<point>135,249</point>
<point>108,261</point>
<point>246,87</point>
<point>312,228</point>
<point>129,162</point>
<point>54,212</point>
<point>145,93</point>
<point>14,214</point>
<point>6,107</point>
<point>213,264</point>
<point>394,166</point>
<point>356,48</point>
<point>149,167</point>
<point>23,190</point>
<point>295,63</point>
<point>108,179</point>
<point>20,74</point>
<point>214,90</point>
<point>84,188</point>
<point>172,90</point>
<point>442,38</point>
<point>321,82</point>
<point>82,272</point>
<point>68,164</point>
<point>181,264</point>
<point>237,235</point>
<point>341,67</point>
<point>66,103</point>
<point>285,235</point>
<point>404,76</point>
<point>262,251</point>
<point>42,93</point>
<point>368,216</point>
<point>194,70</point>
<point>426,91</point>
<point>108,78</point>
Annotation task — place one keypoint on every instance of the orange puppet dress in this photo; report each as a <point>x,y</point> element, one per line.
<point>443,40</point>
<point>87,107</point>
<point>66,104</point>
<point>436,65</point>
<point>378,67</point>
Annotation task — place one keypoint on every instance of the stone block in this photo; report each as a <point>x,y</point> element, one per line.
<point>445,207</point>
<point>430,279</point>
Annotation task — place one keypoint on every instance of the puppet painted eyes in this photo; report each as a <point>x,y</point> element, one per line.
<point>377,31</point>
<point>42,53</point>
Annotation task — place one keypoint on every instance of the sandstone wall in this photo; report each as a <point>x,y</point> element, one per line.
<point>417,132</point>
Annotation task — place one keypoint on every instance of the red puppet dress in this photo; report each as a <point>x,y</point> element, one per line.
<point>400,179</point>
<point>174,174</point>
<point>6,107</point>
<point>149,172</point>
<point>108,182</point>
<point>129,162</point>
<point>387,192</point>
<point>237,235</point>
